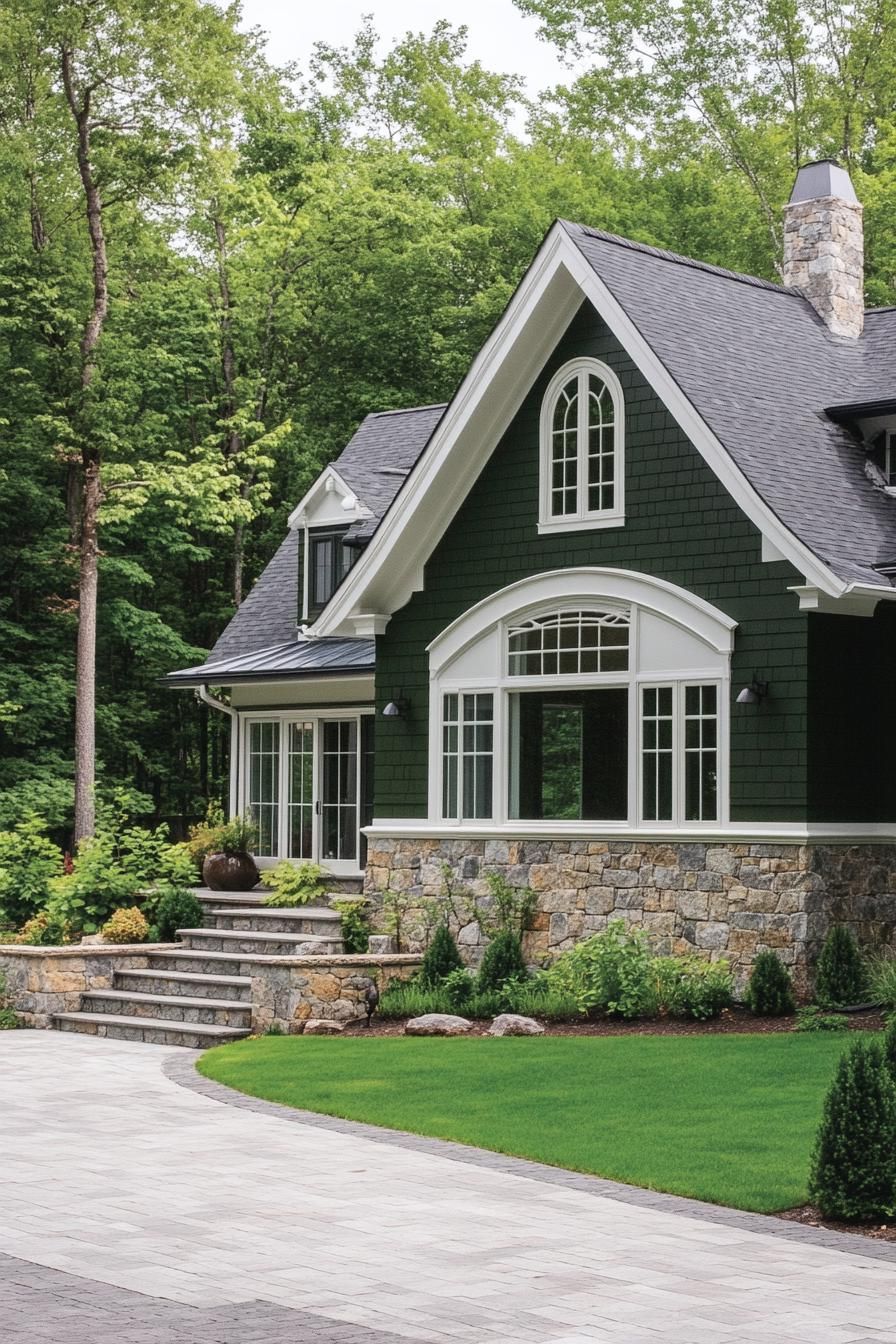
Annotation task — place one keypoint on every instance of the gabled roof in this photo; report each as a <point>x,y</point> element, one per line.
<point>745,367</point>
<point>374,464</point>
<point>296,658</point>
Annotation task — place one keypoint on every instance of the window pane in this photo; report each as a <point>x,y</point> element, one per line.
<point>301,790</point>
<point>322,558</point>
<point>657,762</point>
<point>701,753</point>
<point>570,643</point>
<point>477,760</point>
<point>263,799</point>
<point>565,450</point>
<point>569,755</point>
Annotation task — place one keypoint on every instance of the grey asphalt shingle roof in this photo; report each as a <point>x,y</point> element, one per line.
<point>294,658</point>
<point>374,463</point>
<point>760,366</point>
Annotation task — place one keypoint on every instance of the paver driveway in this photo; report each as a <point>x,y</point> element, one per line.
<point>251,1226</point>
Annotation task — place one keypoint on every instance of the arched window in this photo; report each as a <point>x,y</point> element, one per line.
<point>582,433</point>
<point>582,696</point>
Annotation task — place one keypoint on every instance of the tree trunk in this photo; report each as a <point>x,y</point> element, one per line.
<point>85,680</point>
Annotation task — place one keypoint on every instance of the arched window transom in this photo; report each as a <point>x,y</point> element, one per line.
<point>582,426</point>
<point>569,643</point>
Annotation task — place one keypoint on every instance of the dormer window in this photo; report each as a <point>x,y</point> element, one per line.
<point>884,454</point>
<point>582,437</point>
<point>329,562</point>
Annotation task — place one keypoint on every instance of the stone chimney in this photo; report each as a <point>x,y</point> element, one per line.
<point>824,248</point>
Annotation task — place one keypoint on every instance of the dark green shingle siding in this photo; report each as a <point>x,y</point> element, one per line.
<point>680,525</point>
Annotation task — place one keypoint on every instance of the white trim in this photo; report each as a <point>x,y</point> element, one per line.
<point>326,483</point>
<point>581,368</point>
<point>857,600</point>
<point>400,828</point>
<point>503,371</point>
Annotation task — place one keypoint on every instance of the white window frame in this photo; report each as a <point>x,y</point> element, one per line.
<point>640,596</point>
<point>316,716</point>
<point>583,517</point>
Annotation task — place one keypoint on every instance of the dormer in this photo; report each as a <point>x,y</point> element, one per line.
<point>326,515</point>
<point>874,424</point>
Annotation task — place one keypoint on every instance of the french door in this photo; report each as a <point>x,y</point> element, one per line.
<point>302,783</point>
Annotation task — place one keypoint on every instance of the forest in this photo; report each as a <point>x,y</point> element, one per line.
<point>211,268</point>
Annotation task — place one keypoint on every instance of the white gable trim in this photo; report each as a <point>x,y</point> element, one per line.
<point>328,482</point>
<point>500,376</point>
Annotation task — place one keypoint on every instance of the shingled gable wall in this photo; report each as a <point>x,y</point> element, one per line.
<point>721,899</point>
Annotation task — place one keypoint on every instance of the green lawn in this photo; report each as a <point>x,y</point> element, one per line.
<point>724,1118</point>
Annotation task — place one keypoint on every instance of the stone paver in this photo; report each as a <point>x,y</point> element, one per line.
<point>254,1226</point>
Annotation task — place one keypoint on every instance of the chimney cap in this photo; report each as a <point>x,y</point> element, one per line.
<point>824,177</point>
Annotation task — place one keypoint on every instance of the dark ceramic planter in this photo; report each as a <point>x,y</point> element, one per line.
<point>229,872</point>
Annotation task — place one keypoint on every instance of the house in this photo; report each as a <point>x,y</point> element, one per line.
<point>619,620</point>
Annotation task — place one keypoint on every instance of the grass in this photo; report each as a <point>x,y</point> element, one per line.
<point>729,1119</point>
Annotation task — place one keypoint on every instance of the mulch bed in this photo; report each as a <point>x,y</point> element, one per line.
<point>808,1215</point>
<point>730,1021</point>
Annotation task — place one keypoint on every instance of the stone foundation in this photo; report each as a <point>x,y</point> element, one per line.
<point>718,899</point>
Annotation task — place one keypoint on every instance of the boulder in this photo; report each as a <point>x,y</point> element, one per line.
<point>511,1024</point>
<point>322,1026</point>
<point>437,1024</point>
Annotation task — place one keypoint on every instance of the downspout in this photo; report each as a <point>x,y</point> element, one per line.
<point>202,693</point>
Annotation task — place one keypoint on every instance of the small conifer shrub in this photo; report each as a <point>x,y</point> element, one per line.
<point>770,991</point>
<point>502,961</point>
<point>440,958</point>
<point>890,1047</point>
<point>841,978</point>
<point>853,1173</point>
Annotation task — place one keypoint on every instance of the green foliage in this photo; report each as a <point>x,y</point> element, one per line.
<point>203,838</point>
<point>770,989</point>
<point>506,909</point>
<point>458,987</point>
<point>397,907</point>
<point>841,977</point>
<point>275,1029</point>
<point>236,836</point>
<point>440,958</point>
<point>889,1047</point>
<point>459,993</point>
<point>610,972</point>
<point>9,1018</point>
<point>691,986</point>
<point>296,884</point>
<point>354,924</point>
<point>854,1164</point>
<point>44,929</point>
<point>812,1018</point>
<point>882,980</point>
<point>28,863</point>
<point>171,908</point>
<point>502,960</point>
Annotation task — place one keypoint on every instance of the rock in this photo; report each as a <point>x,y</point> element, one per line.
<point>512,1024</point>
<point>322,1026</point>
<point>93,940</point>
<point>437,1024</point>
<point>381,944</point>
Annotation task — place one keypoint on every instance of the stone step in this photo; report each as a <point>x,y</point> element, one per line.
<point>314,919</point>
<point>196,962</point>
<point>167,1008</point>
<point>264,944</point>
<point>337,887</point>
<point>196,1035</point>
<point>232,988</point>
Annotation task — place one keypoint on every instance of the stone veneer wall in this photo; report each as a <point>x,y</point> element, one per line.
<point>45,980</point>
<point>719,899</point>
<point>286,991</point>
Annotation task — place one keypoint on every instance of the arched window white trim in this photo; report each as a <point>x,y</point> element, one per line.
<point>651,713</point>
<point>582,449</point>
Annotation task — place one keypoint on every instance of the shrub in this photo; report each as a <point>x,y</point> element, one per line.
<point>44,930</point>
<point>397,905</point>
<point>509,908</point>
<point>502,961</point>
<point>9,1018</point>
<point>296,883</point>
<point>882,981</point>
<point>610,971</point>
<point>841,978</point>
<point>811,1018</point>
<point>354,924</point>
<point>691,986</point>
<point>440,958</point>
<point>126,926</point>
<point>458,994</point>
<point>889,1047</point>
<point>236,836</point>
<point>202,838</point>
<point>770,991</point>
<point>28,862</point>
<point>854,1164</point>
<point>458,987</point>
<point>173,908</point>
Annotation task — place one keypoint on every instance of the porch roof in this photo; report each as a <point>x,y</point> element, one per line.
<point>297,658</point>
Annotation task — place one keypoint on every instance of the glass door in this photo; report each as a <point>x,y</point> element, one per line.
<point>300,836</point>
<point>339,778</point>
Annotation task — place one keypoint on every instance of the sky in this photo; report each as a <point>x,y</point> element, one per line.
<point>500,36</point>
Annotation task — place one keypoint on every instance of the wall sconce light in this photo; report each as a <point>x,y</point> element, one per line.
<point>754,693</point>
<point>397,707</point>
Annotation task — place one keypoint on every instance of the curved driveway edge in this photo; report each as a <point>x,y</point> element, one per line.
<point>184,1071</point>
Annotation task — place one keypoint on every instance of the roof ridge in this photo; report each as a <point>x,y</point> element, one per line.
<point>886,308</point>
<point>664,255</point>
<point>409,410</point>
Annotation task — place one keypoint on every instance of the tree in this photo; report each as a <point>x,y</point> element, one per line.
<point>854,1163</point>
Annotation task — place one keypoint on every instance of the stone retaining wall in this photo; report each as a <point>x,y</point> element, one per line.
<point>45,980</point>
<point>286,991</point>
<point>719,899</point>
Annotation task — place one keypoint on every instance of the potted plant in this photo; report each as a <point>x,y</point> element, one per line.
<point>228,864</point>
